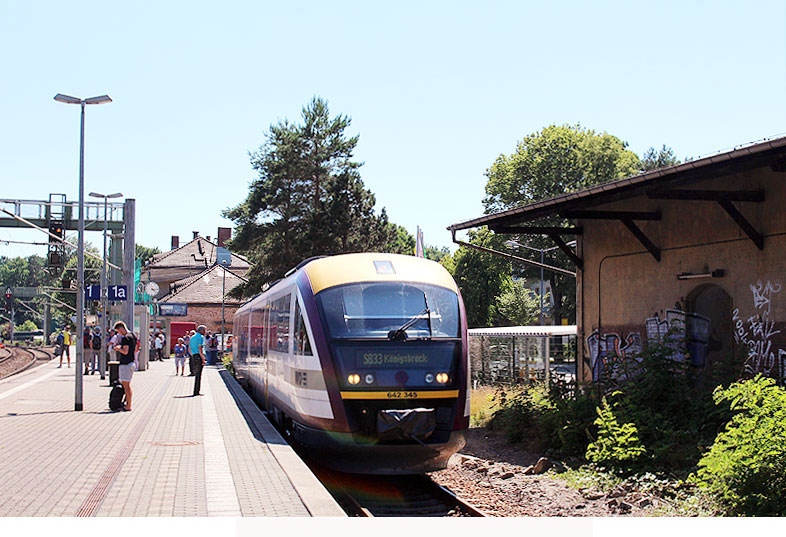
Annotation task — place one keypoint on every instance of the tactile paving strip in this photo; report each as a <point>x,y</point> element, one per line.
<point>93,501</point>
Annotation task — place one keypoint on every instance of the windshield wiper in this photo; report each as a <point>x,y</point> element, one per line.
<point>400,334</point>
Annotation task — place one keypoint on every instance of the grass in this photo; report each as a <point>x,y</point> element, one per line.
<point>482,405</point>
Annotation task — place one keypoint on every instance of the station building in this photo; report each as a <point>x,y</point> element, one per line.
<point>696,248</point>
<point>193,280</point>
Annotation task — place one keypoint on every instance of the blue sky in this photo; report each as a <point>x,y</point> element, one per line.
<point>436,90</point>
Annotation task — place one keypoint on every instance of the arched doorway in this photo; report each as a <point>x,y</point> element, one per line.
<point>711,301</point>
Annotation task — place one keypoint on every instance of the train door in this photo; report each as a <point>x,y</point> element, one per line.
<point>265,360</point>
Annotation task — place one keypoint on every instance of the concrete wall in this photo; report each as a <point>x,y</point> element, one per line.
<point>626,298</point>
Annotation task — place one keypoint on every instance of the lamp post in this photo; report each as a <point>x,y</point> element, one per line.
<point>514,244</point>
<point>545,346</point>
<point>104,288</point>
<point>80,251</point>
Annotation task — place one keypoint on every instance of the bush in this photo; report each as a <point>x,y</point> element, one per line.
<point>745,469</point>
<point>550,419</point>
<point>618,446</point>
<point>671,408</point>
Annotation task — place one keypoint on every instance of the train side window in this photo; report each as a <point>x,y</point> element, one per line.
<point>302,343</point>
<point>279,324</point>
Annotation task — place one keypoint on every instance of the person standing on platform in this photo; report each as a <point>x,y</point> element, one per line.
<point>158,341</point>
<point>212,349</point>
<point>95,351</point>
<point>125,353</point>
<point>86,349</point>
<point>197,349</point>
<point>66,347</point>
<point>186,342</point>
<point>59,346</point>
<point>180,357</point>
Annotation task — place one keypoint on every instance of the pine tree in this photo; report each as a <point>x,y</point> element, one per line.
<point>308,199</point>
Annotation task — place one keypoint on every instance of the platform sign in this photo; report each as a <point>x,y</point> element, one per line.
<point>117,292</point>
<point>92,292</point>
<point>173,310</point>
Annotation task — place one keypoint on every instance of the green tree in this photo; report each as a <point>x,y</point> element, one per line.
<point>654,159</point>
<point>518,304</point>
<point>144,253</point>
<point>556,160</point>
<point>307,200</point>
<point>25,272</point>
<point>400,240</point>
<point>480,276</point>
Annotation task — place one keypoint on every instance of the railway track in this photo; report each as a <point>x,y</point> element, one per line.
<point>393,496</point>
<point>387,496</point>
<point>17,359</point>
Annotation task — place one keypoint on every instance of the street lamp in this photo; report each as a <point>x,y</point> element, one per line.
<point>104,288</point>
<point>80,271</point>
<point>514,244</point>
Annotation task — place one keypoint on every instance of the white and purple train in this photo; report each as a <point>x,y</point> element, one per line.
<point>362,360</point>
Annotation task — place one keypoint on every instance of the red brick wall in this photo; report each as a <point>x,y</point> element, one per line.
<point>210,316</point>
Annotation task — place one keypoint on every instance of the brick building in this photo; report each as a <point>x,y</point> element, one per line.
<point>195,275</point>
<point>695,248</point>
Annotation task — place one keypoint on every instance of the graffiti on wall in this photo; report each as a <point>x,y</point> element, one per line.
<point>756,333</point>
<point>608,351</point>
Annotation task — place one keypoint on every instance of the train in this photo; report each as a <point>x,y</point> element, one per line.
<point>361,359</point>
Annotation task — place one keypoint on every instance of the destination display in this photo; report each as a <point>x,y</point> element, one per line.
<point>403,357</point>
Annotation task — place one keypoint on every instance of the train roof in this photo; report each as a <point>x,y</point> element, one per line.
<point>369,267</point>
<point>332,271</point>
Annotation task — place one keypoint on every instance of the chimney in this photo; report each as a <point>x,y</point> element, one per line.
<point>207,238</point>
<point>196,234</point>
<point>175,242</point>
<point>224,234</point>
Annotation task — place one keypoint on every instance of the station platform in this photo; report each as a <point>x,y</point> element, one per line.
<point>173,455</point>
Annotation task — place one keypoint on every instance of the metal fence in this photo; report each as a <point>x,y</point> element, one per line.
<point>515,358</point>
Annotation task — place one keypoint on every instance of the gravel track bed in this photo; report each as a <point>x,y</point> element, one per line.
<point>20,358</point>
<point>489,474</point>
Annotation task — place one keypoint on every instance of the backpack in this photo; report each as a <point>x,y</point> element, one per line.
<point>96,342</point>
<point>117,397</point>
<point>59,340</point>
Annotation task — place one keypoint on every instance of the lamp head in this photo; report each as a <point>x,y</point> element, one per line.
<point>67,99</point>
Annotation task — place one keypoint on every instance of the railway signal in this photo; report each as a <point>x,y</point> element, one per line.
<point>9,299</point>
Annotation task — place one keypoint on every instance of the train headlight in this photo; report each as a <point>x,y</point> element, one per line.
<point>442,378</point>
<point>353,378</point>
<point>369,379</point>
<point>429,378</point>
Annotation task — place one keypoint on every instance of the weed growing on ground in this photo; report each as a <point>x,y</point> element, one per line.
<point>226,359</point>
<point>483,404</point>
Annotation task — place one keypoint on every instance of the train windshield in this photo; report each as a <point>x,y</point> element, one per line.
<point>374,310</point>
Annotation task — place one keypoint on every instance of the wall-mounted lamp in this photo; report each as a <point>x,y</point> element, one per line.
<point>717,273</point>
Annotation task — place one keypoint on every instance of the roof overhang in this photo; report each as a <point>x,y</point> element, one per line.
<point>768,153</point>
<point>663,183</point>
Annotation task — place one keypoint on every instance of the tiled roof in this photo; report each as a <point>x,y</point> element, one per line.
<point>199,252</point>
<point>205,287</point>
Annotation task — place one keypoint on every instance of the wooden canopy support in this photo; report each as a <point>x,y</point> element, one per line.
<point>612,215</point>
<point>725,199</point>
<point>628,218</point>
<point>708,195</point>
<point>643,239</point>
<point>746,226</point>
<point>537,230</point>
<point>568,252</point>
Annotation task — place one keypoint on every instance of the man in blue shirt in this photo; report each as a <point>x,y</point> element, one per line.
<point>197,349</point>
